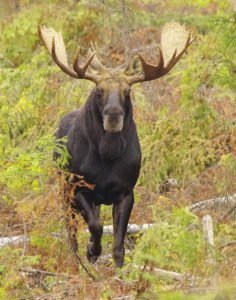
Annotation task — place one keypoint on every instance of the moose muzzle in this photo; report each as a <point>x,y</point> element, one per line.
<point>113,118</point>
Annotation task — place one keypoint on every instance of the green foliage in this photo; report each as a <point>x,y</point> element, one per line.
<point>62,151</point>
<point>15,34</point>
<point>11,260</point>
<point>223,293</point>
<point>28,169</point>
<point>178,143</point>
<point>28,119</point>
<point>225,29</point>
<point>179,146</point>
<point>174,243</point>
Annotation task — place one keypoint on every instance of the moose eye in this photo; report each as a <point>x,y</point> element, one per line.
<point>99,92</point>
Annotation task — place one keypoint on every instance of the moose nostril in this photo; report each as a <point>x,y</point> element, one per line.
<point>113,111</point>
<point>114,117</point>
<point>115,114</point>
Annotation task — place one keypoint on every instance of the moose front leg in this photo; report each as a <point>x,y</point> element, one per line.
<point>90,212</point>
<point>121,214</point>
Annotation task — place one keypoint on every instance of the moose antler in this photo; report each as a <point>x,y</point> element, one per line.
<point>175,40</point>
<point>53,41</point>
<point>96,63</point>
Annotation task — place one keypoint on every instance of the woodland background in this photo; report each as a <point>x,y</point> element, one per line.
<point>186,124</point>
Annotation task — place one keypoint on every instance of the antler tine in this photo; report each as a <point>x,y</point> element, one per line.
<point>171,64</point>
<point>81,71</point>
<point>161,59</point>
<point>174,59</point>
<point>150,71</point>
<point>64,68</point>
<point>96,63</point>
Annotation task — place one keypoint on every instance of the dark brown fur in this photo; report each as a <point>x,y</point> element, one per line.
<point>110,160</point>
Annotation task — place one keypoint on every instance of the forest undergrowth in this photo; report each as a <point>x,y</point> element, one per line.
<point>186,125</point>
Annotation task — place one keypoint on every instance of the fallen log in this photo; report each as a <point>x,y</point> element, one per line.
<point>107,230</point>
<point>208,232</point>
<point>46,273</point>
<point>132,228</point>
<point>126,297</point>
<point>227,202</point>
<point>168,274</point>
<point>159,272</point>
<point>164,273</point>
<point>12,240</point>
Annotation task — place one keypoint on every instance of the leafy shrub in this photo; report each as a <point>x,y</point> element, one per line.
<point>175,243</point>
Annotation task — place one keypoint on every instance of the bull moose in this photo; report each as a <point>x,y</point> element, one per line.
<point>102,141</point>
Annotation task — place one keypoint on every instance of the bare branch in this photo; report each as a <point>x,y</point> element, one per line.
<point>12,240</point>
<point>132,228</point>
<point>127,297</point>
<point>46,273</point>
<point>126,30</point>
<point>209,238</point>
<point>164,273</point>
<point>215,203</point>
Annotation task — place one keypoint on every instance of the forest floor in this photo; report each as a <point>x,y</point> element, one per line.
<point>68,281</point>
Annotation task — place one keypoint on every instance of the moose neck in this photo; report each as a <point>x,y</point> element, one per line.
<point>111,145</point>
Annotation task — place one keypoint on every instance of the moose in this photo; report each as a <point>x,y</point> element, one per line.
<point>102,141</point>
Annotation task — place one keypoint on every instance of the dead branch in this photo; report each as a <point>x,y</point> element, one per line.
<point>160,272</point>
<point>164,273</point>
<point>208,229</point>
<point>107,230</point>
<point>46,273</point>
<point>13,240</point>
<point>127,297</point>
<point>92,273</point>
<point>209,238</point>
<point>25,236</point>
<point>215,203</point>
<point>206,289</point>
<point>132,228</point>
<point>126,30</point>
<point>169,274</point>
<point>228,244</point>
<point>226,202</point>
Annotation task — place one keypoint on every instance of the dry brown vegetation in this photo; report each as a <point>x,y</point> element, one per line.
<point>186,124</point>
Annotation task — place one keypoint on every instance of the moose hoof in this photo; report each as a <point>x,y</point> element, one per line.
<point>118,256</point>
<point>93,254</point>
